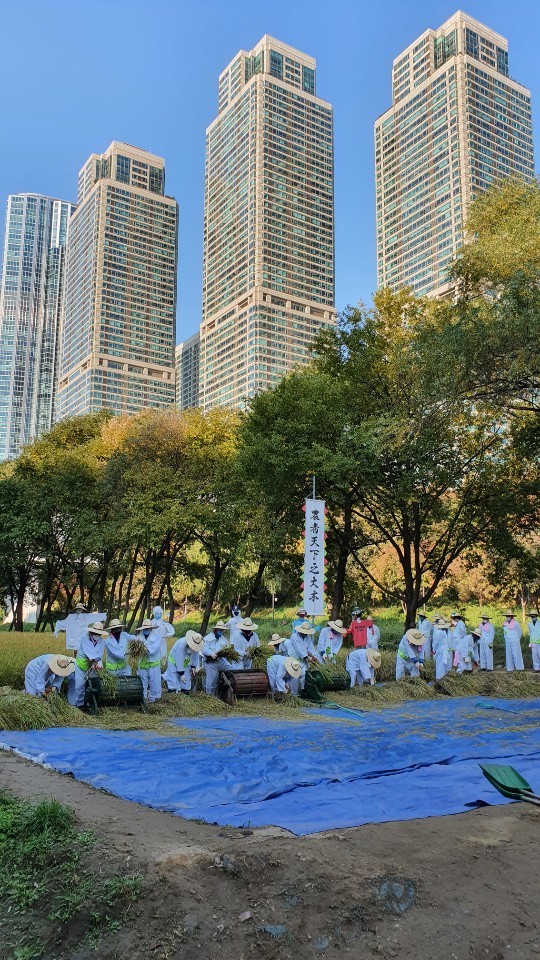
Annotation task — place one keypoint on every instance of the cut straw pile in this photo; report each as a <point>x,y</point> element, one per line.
<point>21,711</point>
<point>497,683</point>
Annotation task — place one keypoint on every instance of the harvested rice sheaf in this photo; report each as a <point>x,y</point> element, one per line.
<point>497,683</point>
<point>230,654</point>
<point>259,655</point>
<point>135,650</point>
<point>21,711</point>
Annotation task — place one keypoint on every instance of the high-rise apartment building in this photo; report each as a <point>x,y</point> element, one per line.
<point>30,301</point>
<point>187,373</point>
<point>457,124</point>
<point>118,321</point>
<point>268,273</point>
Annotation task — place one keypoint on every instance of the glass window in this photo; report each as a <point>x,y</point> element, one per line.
<point>157,180</point>
<point>308,80</point>
<point>123,169</point>
<point>276,64</point>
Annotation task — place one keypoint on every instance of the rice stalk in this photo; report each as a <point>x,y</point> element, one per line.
<point>136,650</point>
<point>22,711</point>
<point>259,655</point>
<point>230,654</point>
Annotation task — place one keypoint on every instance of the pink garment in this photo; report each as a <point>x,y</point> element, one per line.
<point>456,658</point>
<point>485,627</point>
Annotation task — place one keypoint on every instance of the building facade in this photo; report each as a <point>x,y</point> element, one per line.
<point>118,320</point>
<point>30,303</point>
<point>268,271</point>
<point>458,123</point>
<point>187,373</point>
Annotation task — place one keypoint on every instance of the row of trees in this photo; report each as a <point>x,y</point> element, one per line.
<point>420,420</point>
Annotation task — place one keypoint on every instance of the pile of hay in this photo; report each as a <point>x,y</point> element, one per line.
<point>259,655</point>
<point>497,683</point>
<point>21,711</point>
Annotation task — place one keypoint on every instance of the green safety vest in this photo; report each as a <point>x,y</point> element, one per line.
<point>115,665</point>
<point>146,664</point>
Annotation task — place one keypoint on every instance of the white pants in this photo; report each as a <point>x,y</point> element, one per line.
<point>514,656</point>
<point>463,666</point>
<point>121,672</point>
<point>486,655</point>
<point>176,682</point>
<point>358,667</point>
<point>151,681</point>
<point>441,663</point>
<point>404,667</point>
<point>212,669</point>
<point>535,650</point>
<point>80,683</point>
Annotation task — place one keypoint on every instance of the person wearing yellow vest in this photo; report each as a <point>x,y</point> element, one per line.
<point>410,655</point>
<point>534,638</point>
<point>149,668</point>
<point>116,643</point>
<point>184,661</point>
<point>89,658</point>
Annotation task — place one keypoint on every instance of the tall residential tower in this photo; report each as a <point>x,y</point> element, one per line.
<point>118,322</point>
<point>30,301</point>
<point>187,373</point>
<point>268,272</point>
<point>457,124</point>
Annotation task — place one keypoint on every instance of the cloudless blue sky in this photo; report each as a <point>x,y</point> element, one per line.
<point>75,75</point>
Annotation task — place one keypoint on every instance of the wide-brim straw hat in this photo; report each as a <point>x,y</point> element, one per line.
<point>116,624</point>
<point>533,613</point>
<point>221,625</point>
<point>246,624</point>
<point>442,622</point>
<point>194,641</point>
<point>305,629</point>
<point>416,637</point>
<point>456,616</point>
<point>293,668</point>
<point>374,657</point>
<point>276,640</point>
<point>485,616</point>
<point>337,626</point>
<point>81,606</point>
<point>476,633</point>
<point>97,628</point>
<point>508,613</point>
<point>61,666</point>
<point>146,625</point>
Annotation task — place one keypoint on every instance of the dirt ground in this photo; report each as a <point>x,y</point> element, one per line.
<point>447,888</point>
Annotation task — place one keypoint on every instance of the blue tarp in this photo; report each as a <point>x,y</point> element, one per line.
<point>418,760</point>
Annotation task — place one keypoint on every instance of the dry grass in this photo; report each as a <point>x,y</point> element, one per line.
<point>21,711</point>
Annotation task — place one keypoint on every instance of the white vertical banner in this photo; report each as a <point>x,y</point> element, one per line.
<point>314,561</point>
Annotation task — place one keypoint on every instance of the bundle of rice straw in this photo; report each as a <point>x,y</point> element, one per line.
<point>229,653</point>
<point>135,650</point>
<point>21,711</point>
<point>259,655</point>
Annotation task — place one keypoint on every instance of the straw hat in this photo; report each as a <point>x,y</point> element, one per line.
<point>508,613</point>
<point>533,613</point>
<point>293,668</point>
<point>146,625</point>
<point>97,628</point>
<point>194,641</point>
<point>276,640</point>
<point>115,625</point>
<point>476,633</point>
<point>220,625</point>
<point>337,627</point>
<point>374,658</point>
<point>442,622</point>
<point>61,666</point>
<point>305,629</point>
<point>81,606</point>
<point>246,624</point>
<point>456,616</point>
<point>485,616</point>
<point>416,637</point>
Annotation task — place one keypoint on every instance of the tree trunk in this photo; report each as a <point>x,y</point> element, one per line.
<point>255,587</point>
<point>343,557</point>
<point>218,573</point>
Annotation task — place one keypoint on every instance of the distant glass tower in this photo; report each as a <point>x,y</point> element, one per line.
<point>118,321</point>
<point>30,301</point>
<point>268,271</point>
<point>187,373</point>
<point>458,123</point>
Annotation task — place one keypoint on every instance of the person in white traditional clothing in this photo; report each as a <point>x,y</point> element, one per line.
<point>410,655</point>
<point>116,643</point>
<point>512,641</point>
<point>149,666</point>
<point>285,674</point>
<point>300,645</point>
<point>184,662</point>
<point>89,659</point>
<point>466,651</point>
<point>214,642</point>
<point>456,633</point>
<point>74,626</point>
<point>485,644</point>
<point>373,635</point>
<point>47,673</point>
<point>330,639</point>
<point>534,638</point>
<point>358,666</point>
<point>439,643</point>
<point>426,627</point>
<point>244,636</point>
<point>164,628</point>
<point>233,621</point>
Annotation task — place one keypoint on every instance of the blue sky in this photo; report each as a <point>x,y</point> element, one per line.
<point>76,75</point>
